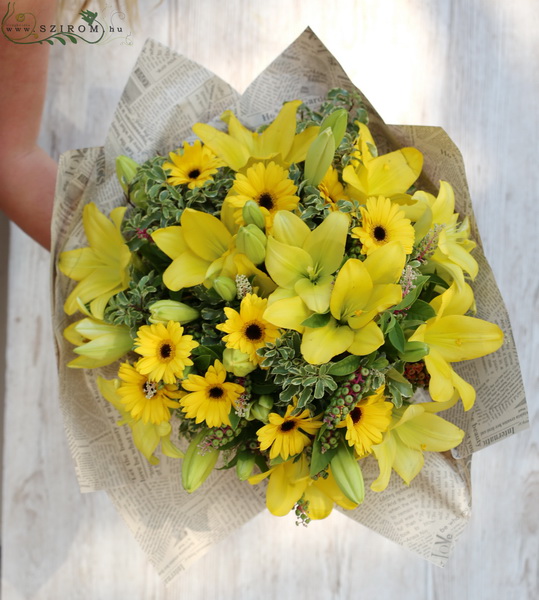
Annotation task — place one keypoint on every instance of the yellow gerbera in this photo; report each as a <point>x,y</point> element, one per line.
<point>383,222</point>
<point>283,435</point>
<point>269,186</point>
<point>193,165</point>
<point>248,330</point>
<point>211,397</point>
<point>367,421</point>
<point>331,189</point>
<point>165,351</point>
<point>101,269</point>
<point>144,399</point>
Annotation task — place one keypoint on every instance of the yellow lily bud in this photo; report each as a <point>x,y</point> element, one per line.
<point>252,215</point>
<point>347,474</point>
<point>337,121</point>
<point>164,311</point>
<point>319,156</point>
<point>196,467</point>
<point>126,169</point>
<point>262,408</point>
<point>252,242</point>
<point>245,465</point>
<point>225,287</point>
<point>97,343</point>
<point>237,362</point>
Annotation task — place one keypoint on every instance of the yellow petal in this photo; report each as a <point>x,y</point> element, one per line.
<point>326,243</point>
<point>385,264</point>
<point>226,147</point>
<point>170,240</point>
<point>315,294</point>
<point>366,340</point>
<point>431,433</point>
<point>289,229</point>
<point>352,289</point>
<point>330,487</point>
<point>385,455</point>
<point>79,263</point>
<point>320,345</point>
<point>454,301</point>
<point>457,337</point>
<point>408,462</point>
<point>279,136</point>
<point>301,144</point>
<point>185,271</point>
<point>394,172</point>
<point>205,235</point>
<point>286,264</point>
<point>286,486</point>
<point>441,386</point>
<point>320,504</point>
<point>288,313</point>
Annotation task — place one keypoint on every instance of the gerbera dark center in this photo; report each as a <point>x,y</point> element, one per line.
<point>253,332</point>
<point>150,389</point>
<point>355,414</point>
<point>288,426</point>
<point>194,173</point>
<point>379,233</point>
<point>165,351</point>
<point>216,392</point>
<point>266,200</point>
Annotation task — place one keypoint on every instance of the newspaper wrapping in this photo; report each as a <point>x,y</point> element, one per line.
<point>164,96</point>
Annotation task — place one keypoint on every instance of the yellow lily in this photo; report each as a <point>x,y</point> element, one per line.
<point>146,436</point>
<point>97,343</point>
<point>289,481</point>
<point>240,146</point>
<point>301,261</point>
<point>451,254</point>
<point>102,268</point>
<point>361,291</point>
<point>451,337</point>
<point>200,249</point>
<point>414,430</point>
<point>386,175</point>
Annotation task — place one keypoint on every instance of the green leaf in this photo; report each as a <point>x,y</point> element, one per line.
<point>345,468</point>
<point>420,311</point>
<point>317,320</point>
<point>396,337</point>
<point>414,351</point>
<point>346,366</point>
<point>320,460</point>
<point>234,418</point>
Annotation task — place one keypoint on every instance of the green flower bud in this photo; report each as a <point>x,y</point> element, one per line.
<point>252,215</point>
<point>225,287</point>
<point>245,465</point>
<point>164,311</point>
<point>262,408</point>
<point>347,473</point>
<point>337,121</point>
<point>319,156</point>
<point>126,169</point>
<point>237,362</point>
<point>252,242</point>
<point>196,467</point>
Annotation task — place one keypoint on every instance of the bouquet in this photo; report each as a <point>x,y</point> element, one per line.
<point>283,301</point>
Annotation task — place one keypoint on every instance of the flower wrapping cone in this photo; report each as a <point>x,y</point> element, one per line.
<point>90,420</point>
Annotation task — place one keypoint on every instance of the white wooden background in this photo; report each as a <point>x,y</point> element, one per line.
<point>471,67</point>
